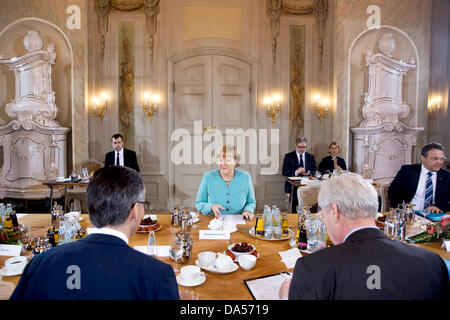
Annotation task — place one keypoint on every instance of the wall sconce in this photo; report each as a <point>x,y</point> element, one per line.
<point>99,107</point>
<point>273,106</point>
<point>321,107</point>
<point>151,105</point>
<point>434,107</point>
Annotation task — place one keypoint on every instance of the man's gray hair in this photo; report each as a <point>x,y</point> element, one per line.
<point>300,140</point>
<point>355,197</point>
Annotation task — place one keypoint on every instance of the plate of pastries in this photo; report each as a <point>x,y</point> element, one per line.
<point>148,223</point>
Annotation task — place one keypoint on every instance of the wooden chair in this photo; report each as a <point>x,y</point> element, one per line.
<point>307,195</point>
<point>385,205</point>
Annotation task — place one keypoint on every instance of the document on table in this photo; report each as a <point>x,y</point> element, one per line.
<point>267,287</point>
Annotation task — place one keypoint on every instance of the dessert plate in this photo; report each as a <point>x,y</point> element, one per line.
<point>212,268</point>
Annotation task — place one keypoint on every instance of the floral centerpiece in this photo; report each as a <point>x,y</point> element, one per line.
<point>434,231</point>
<point>10,236</point>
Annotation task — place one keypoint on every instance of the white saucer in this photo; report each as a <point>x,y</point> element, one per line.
<point>5,273</point>
<point>212,268</point>
<point>184,283</point>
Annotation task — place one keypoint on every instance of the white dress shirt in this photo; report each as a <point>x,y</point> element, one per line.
<point>299,156</point>
<point>419,198</point>
<point>120,157</point>
<point>108,231</point>
<point>360,228</point>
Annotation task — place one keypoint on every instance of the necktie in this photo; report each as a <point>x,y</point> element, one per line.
<point>118,159</point>
<point>301,161</point>
<point>428,191</point>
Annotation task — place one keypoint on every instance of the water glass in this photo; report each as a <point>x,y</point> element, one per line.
<point>316,233</point>
<point>175,251</point>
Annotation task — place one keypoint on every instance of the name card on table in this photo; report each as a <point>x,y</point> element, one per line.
<point>214,235</point>
<point>10,250</point>
<point>162,251</point>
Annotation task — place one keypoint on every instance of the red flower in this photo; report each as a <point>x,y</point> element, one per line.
<point>431,230</point>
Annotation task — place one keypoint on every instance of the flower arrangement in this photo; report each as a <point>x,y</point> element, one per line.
<point>434,231</point>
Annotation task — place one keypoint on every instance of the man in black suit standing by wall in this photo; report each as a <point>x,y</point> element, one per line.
<point>120,155</point>
<point>298,163</point>
<point>364,263</point>
<point>425,185</point>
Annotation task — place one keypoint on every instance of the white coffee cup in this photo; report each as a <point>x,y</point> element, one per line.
<point>223,262</point>
<point>16,264</point>
<point>191,273</point>
<point>247,261</point>
<point>206,258</point>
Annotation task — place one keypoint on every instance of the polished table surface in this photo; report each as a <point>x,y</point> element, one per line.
<point>217,286</point>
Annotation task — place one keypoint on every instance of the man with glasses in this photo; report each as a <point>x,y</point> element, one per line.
<point>425,185</point>
<point>102,266</point>
<point>298,163</point>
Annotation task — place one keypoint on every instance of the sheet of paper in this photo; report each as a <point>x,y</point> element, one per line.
<point>213,235</point>
<point>267,288</point>
<point>289,257</point>
<point>295,178</point>
<point>162,251</point>
<point>10,250</point>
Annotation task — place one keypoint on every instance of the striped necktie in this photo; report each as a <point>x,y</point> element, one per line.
<point>428,191</point>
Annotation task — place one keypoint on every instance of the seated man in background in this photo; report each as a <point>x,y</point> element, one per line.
<point>425,185</point>
<point>102,265</point>
<point>298,163</point>
<point>364,263</point>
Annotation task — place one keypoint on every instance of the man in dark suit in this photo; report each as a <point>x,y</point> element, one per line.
<point>364,263</point>
<point>102,265</point>
<point>425,185</point>
<point>297,163</point>
<point>120,155</point>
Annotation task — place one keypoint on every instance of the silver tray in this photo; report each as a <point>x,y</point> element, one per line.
<point>291,235</point>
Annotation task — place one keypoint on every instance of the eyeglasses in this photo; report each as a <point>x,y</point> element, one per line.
<point>301,147</point>
<point>146,204</point>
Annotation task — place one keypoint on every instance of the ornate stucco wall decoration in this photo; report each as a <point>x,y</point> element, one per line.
<point>34,144</point>
<point>151,9</point>
<point>275,9</point>
<point>296,114</point>
<point>382,143</point>
<point>126,85</point>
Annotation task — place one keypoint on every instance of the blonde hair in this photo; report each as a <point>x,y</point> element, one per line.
<point>229,149</point>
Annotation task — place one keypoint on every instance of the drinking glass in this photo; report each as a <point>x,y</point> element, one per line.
<point>175,251</point>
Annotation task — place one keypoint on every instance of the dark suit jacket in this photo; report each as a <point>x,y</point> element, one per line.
<point>404,187</point>
<point>344,272</point>
<point>109,269</point>
<point>328,164</point>
<point>291,164</point>
<point>129,160</point>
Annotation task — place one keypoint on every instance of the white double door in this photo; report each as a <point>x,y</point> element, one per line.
<point>211,94</point>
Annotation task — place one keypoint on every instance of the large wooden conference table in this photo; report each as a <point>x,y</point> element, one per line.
<point>217,286</point>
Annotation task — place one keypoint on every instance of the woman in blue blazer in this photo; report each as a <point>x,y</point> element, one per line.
<point>226,190</point>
